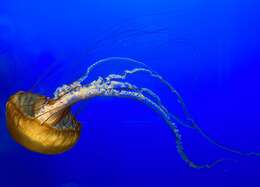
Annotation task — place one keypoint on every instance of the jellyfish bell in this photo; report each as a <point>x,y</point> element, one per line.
<point>52,134</point>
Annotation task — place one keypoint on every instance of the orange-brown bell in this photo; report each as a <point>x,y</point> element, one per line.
<point>56,134</point>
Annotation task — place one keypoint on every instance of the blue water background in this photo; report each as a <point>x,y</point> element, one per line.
<point>209,50</point>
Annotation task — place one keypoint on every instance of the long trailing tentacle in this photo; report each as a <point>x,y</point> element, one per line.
<point>184,108</point>
<point>152,95</point>
<point>136,70</point>
<point>145,68</point>
<point>105,60</point>
<point>147,91</point>
<point>160,78</point>
<point>127,90</point>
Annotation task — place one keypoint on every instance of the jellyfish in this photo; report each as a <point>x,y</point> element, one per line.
<point>47,125</point>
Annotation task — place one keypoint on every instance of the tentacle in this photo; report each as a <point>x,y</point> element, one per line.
<point>156,98</point>
<point>105,60</point>
<point>151,93</point>
<point>69,88</point>
<point>128,72</point>
<point>115,90</point>
<point>124,76</point>
<point>184,108</point>
<point>158,101</point>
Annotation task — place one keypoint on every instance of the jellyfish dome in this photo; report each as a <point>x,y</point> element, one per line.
<point>54,135</point>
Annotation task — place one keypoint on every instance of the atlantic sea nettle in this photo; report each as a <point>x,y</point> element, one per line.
<point>46,125</point>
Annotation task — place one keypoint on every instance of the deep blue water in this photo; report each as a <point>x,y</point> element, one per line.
<point>208,50</point>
